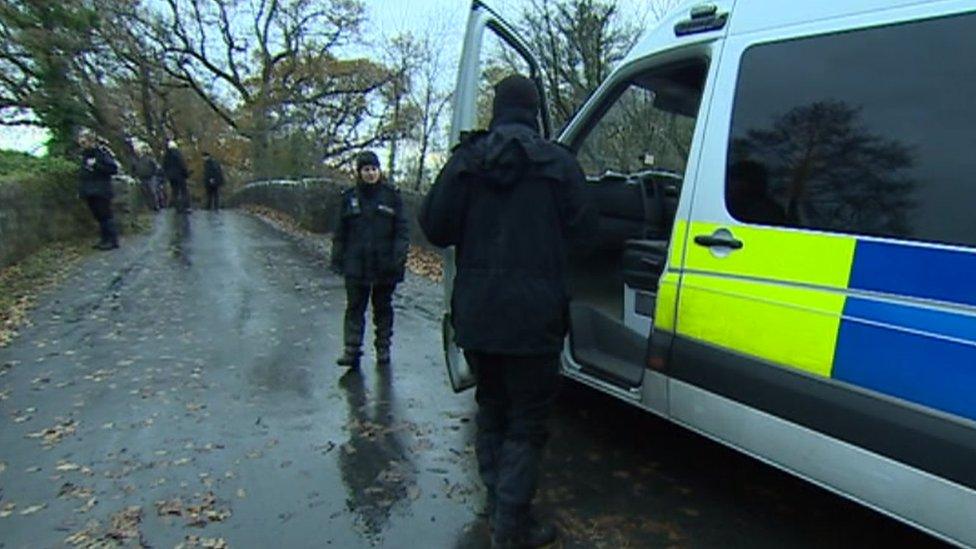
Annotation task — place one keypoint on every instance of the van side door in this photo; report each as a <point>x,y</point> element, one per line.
<point>829,275</point>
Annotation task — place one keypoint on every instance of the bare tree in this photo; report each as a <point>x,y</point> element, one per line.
<point>263,65</point>
<point>577,42</point>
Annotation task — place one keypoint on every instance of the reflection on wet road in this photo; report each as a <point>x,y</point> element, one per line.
<point>183,390</point>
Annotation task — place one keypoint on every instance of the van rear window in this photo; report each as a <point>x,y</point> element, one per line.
<point>870,132</point>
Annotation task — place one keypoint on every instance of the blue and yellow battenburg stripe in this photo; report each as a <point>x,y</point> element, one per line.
<point>897,319</point>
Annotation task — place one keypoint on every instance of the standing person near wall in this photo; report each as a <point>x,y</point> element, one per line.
<point>147,171</point>
<point>509,202</point>
<point>213,179</point>
<point>369,248</point>
<point>95,187</point>
<point>175,168</point>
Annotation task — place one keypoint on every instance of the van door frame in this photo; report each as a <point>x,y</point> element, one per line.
<point>653,393</point>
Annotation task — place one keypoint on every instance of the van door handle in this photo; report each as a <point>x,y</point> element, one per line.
<point>722,238</point>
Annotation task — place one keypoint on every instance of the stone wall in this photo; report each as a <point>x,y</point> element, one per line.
<point>46,209</point>
<point>314,203</point>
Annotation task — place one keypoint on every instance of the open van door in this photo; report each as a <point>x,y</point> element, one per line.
<point>481,21</point>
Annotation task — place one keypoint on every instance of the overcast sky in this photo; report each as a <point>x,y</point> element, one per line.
<point>444,18</point>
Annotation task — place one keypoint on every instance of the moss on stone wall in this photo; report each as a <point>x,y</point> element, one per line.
<point>41,207</point>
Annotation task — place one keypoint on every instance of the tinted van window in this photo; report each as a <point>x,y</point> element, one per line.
<point>870,132</point>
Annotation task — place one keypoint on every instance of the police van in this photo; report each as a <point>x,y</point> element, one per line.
<point>786,259</point>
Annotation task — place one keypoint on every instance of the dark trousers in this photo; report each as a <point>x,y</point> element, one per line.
<point>213,198</point>
<point>357,297</point>
<point>101,209</point>
<point>181,195</point>
<point>515,396</point>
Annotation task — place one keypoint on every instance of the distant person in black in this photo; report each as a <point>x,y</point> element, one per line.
<point>213,179</point>
<point>175,169</point>
<point>509,202</point>
<point>369,248</point>
<point>748,195</point>
<point>95,187</point>
<point>148,172</point>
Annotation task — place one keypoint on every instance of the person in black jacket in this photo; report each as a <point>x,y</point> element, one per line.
<point>147,171</point>
<point>369,248</point>
<point>175,169</point>
<point>95,187</point>
<point>509,202</point>
<point>213,179</point>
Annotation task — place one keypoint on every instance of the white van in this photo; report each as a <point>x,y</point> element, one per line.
<point>787,248</point>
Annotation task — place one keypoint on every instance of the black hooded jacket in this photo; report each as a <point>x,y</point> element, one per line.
<point>213,174</point>
<point>510,202</point>
<point>371,237</point>
<point>95,176</point>
<point>175,167</point>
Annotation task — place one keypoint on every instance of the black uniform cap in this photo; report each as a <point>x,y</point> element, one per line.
<point>367,158</point>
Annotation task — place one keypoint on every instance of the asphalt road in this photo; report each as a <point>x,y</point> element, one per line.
<point>182,390</point>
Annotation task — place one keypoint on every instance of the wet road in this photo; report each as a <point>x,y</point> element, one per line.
<point>182,390</point>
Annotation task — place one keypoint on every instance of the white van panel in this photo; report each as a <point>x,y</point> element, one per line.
<point>937,506</point>
<point>662,38</point>
<point>757,15</point>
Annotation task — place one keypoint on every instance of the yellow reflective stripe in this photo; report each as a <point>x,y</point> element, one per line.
<point>664,308</point>
<point>776,254</point>
<point>748,300</point>
<point>788,325</point>
<point>678,235</point>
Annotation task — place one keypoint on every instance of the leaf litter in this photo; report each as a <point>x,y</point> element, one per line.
<point>54,435</point>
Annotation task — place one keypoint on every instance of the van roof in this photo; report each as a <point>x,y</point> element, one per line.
<point>755,15</point>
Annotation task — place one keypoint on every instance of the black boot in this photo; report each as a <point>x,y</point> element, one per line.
<point>530,534</point>
<point>350,358</point>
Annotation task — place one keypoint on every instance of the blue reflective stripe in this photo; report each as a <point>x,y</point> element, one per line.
<point>918,367</point>
<point>914,271</point>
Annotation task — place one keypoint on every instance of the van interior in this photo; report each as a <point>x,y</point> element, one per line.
<point>634,154</point>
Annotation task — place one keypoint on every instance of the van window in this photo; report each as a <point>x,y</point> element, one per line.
<point>648,126</point>
<point>868,132</point>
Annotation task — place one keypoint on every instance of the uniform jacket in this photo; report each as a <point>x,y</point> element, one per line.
<point>174,166</point>
<point>371,237</point>
<point>213,174</point>
<point>510,202</point>
<point>95,175</point>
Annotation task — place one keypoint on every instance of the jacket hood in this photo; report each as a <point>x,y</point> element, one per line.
<point>509,151</point>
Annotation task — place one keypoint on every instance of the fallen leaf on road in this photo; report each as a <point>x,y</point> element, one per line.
<point>33,509</point>
<point>7,510</point>
<point>205,512</point>
<point>125,524</point>
<point>241,493</point>
<point>204,543</point>
<point>67,466</point>
<point>3,467</point>
<point>71,490</point>
<point>173,507</point>
<point>99,375</point>
<point>88,506</point>
<point>53,435</point>
<point>85,537</point>
<point>34,469</point>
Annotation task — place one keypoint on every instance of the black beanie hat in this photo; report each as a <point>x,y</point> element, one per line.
<point>515,92</point>
<point>366,158</point>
